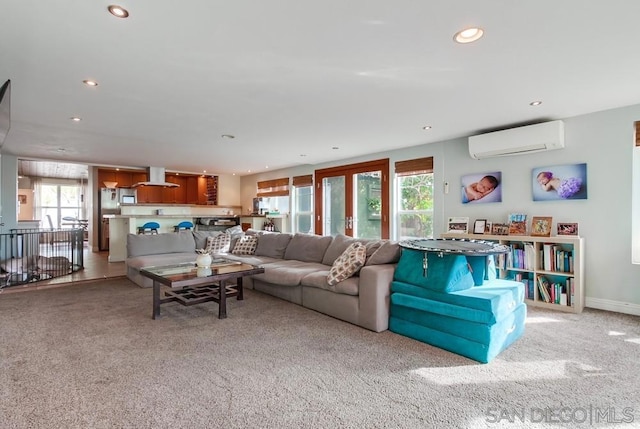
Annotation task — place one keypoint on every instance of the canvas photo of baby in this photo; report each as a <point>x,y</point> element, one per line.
<point>560,182</point>
<point>481,188</point>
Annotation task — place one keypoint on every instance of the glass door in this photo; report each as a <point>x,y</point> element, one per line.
<point>353,200</point>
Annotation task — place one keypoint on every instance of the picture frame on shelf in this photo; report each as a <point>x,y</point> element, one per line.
<point>458,225</point>
<point>541,226</point>
<point>500,229</point>
<point>517,224</point>
<point>488,227</point>
<point>567,228</point>
<point>479,226</point>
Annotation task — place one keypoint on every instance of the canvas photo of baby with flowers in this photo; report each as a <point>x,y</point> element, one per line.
<point>560,182</point>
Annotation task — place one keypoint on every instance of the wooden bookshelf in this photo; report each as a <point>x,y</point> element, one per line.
<point>558,259</point>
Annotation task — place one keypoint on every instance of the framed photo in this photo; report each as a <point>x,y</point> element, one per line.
<point>559,182</point>
<point>481,188</point>
<point>517,224</point>
<point>479,225</point>
<point>488,228</point>
<point>500,229</point>
<point>541,226</point>
<point>22,198</point>
<point>567,228</point>
<point>458,225</point>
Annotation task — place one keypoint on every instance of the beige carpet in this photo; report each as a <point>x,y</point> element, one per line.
<point>90,356</point>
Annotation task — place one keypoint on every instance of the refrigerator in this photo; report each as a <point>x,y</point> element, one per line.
<point>109,203</point>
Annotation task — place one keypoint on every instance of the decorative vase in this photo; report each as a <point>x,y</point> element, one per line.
<point>203,260</point>
<point>203,271</point>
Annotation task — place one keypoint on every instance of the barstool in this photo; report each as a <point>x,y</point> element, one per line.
<point>183,226</point>
<point>149,228</point>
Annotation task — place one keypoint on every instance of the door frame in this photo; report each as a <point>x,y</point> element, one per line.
<point>348,171</point>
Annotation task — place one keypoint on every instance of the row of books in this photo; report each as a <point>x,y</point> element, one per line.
<point>551,292</point>
<point>556,258</point>
<point>522,256</point>
<point>556,292</point>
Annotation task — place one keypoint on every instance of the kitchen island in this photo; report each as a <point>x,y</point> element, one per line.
<point>167,216</point>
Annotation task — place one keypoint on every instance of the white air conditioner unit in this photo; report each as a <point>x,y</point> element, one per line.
<point>518,141</point>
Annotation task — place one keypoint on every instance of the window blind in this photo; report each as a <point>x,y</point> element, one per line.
<point>414,166</point>
<point>303,180</point>
<point>273,188</point>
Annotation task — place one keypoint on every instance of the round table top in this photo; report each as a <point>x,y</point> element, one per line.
<point>459,246</point>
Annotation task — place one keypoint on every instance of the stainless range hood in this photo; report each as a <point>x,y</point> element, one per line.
<point>156,177</point>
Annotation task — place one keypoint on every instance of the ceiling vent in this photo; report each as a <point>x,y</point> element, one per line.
<point>518,141</point>
<point>156,177</point>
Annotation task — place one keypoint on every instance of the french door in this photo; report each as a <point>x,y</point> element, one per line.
<point>353,200</point>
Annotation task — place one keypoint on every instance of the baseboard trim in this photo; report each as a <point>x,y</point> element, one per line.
<point>609,305</point>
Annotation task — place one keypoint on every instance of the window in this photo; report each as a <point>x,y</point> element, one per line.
<point>57,201</point>
<point>414,199</point>
<point>302,206</point>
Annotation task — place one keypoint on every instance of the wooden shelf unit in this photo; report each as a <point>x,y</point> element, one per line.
<point>533,266</point>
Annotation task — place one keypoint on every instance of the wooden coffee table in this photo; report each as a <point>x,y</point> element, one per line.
<point>190,285</point>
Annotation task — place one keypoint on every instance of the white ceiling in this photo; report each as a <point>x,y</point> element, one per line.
<point>293,77</point>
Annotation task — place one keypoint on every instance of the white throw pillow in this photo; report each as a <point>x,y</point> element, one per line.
<point>218,244</point>
<point>347,264</point>
<point>246,245</point>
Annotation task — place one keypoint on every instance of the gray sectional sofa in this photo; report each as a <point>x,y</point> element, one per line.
<point>296,269</point>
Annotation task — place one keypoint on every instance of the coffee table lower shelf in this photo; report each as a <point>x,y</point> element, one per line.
<point>198,295</point>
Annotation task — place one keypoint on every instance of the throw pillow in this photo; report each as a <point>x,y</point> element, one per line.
<point>218,244</point>
<point>246,245</point>
<point>347,264</point>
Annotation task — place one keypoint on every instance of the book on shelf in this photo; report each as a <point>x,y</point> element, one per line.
<point>544,288</point>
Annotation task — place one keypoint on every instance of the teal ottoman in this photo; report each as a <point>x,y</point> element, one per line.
<point>478,325</point>
<point>450,306</point>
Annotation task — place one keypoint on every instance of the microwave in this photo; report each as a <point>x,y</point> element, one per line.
<point>128,199</point>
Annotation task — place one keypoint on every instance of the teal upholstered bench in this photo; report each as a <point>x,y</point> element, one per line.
<point>452,308</point>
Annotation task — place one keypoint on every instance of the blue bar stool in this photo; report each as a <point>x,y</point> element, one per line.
<point>149,228</point>
<point>185,225</point>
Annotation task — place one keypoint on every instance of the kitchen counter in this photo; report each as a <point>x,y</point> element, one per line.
<point>122,224</point>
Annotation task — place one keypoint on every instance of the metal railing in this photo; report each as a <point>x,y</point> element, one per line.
<point>31,255</point>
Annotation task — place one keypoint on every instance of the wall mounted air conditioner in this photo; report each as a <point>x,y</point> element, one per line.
<point>518,141</point>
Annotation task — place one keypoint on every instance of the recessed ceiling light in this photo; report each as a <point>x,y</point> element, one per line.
<point>468,35</point>
<point>535,103</point>
<point>118,11</point>
<point>61,150</point>
<point>89,82</point>
<point>228,136</point>
<point>75,118</point>
<point>426,127</point>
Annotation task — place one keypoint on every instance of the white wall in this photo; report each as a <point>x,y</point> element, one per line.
<point>228,186</point>
<point>603,140</point>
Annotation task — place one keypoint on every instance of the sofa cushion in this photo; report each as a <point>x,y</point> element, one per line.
<point>318,280</point>
<point>387,253</point>
<point>246,245</point>
<point>340,243</point>
<point>307,247</point>
<point>218,244</point>
<point>287,272</point>
<point>142,261</point>
<point>170,242</point>
<point>347,264</point>
<point>272,245</point>
<point>201,237</point>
